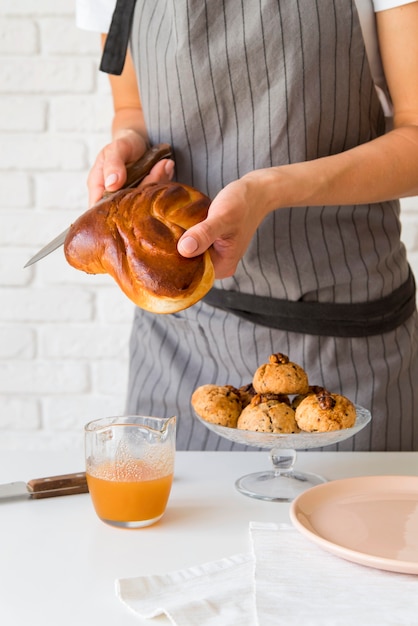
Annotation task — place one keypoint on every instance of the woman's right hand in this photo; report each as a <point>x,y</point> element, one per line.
<point>109,170</point>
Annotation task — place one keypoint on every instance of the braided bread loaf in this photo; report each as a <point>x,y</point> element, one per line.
<point>132,235</point>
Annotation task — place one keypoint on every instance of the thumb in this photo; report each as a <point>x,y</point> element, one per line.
<point>188,245</point>
<point>196,240</point>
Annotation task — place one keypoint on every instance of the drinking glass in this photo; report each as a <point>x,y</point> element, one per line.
<point>129,468</point>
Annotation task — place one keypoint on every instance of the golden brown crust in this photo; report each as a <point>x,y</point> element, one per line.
<point>324,411</point>
<point>268,416</point>
<point>218,404</point>
<point>301,396</point>
<point>133,236</point>
<point>280,376</point>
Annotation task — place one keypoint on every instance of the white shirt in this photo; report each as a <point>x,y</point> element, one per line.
<point>96,15</point>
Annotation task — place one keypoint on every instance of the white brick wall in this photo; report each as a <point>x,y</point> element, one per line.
<point>63,335</point>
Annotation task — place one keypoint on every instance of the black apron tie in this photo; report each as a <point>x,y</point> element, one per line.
<point>114,52</point>
<point>331,319</point>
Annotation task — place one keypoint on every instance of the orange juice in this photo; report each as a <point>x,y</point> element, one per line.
<point>131,494</point>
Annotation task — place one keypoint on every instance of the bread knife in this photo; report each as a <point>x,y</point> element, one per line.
<point>49,487</point>
<point>136,172</point>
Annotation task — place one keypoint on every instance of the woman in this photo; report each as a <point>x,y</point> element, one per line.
<point>272,110</point>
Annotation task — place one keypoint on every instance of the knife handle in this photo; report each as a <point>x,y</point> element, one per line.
<point>63,485</point>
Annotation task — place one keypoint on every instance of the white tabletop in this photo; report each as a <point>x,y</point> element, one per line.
<point>59,562</point>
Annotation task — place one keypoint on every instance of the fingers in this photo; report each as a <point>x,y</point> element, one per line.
<point>197,239</point>
<point>114,170</point>
<point>104,176</point>
<point>107,174</point>
<point>223,249</point>
<point>188,245</point>
<point>233,217</point>
<point>96,187</point>
<point>221,227</point>
<point>109,170</point>
<point>223,252</point>
<point>162,172</point>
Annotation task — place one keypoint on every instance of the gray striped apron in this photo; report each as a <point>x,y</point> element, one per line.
<point>234,86</point>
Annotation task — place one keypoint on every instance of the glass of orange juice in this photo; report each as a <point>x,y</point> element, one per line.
<point>129,468</point>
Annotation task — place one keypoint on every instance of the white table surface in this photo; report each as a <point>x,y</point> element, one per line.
<point>59,562</point>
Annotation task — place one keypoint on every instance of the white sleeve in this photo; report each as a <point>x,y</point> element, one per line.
<point>382,5</point>
<point>94,15</point>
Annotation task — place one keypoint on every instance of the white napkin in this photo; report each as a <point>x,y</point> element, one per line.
<point>299,583</point>
<point>212,594</point>
<point>285,580</point>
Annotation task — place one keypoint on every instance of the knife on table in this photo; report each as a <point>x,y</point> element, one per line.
<point>136,172</point>
<point>49,487</point>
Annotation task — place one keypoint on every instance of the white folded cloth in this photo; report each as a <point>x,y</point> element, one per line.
<point>211,594</point>
<point>284,580</point>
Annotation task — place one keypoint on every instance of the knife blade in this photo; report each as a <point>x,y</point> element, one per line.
<point>48,487</point>
<point>136,172</point>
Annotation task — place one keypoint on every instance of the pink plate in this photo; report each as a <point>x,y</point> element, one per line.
<point>371,520</point>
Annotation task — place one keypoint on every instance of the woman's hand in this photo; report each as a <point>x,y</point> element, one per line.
<point>109,170</point>
<point>233,217</point>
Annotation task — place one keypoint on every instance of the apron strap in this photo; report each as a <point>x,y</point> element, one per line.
<point>330,319</point>
<point>114,52</point>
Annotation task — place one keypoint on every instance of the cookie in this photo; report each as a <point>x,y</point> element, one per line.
<point>280,376</point>
<point>301,396</point>
<point>217,404</point>
<point>267,414</point>
<point>246,393</point>
<point>324,412</point>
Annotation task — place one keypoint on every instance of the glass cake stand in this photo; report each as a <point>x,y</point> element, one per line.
<point>283,483</point>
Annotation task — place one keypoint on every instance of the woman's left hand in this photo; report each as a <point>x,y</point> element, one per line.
<point>233,217</point>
